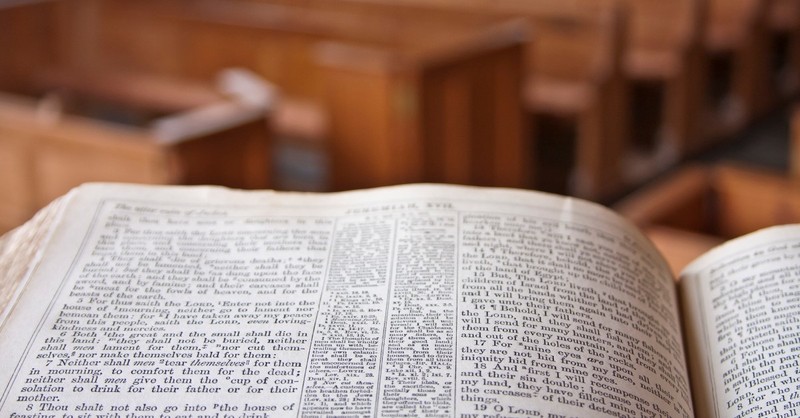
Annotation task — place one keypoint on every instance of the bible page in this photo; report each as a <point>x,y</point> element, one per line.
<point>403,301</point>
<point>742,304</point>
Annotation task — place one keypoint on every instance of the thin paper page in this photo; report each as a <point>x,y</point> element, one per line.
<point>742,310</point>
<point>413,300</point>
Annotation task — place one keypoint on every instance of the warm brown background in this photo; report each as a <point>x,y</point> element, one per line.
<point>600,99</point>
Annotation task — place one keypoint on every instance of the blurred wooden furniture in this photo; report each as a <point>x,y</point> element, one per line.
<point>454,120</point>
<point>783,31</point>
<point>663,64</point>
<point>29,31</point>
<point>575,76</point>
<point>573,86</point>
<point>794,142</point>
<point>699,207</point>
<point>383,126</point>
<point>51,144</point>
<point>737,56</point>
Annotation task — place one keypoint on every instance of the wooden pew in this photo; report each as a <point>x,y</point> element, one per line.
<point>725,200</point>
<point>46,149</point>
<point>29,32</point>
<point>573,81</point>
<point>794,142</point>
<point>736,51</point>
<point>744,65</point>
<point>435,142</point>
<point>783,27</point>
<point>575,77</point>
<point>699,207</point>
<point>663,63</point>
<point>282,44</point>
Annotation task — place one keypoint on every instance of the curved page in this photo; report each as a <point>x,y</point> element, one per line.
<point>742,304</point>
<point>404,301</point>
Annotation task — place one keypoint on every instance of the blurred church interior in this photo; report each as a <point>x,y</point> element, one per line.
<point>677,114</point>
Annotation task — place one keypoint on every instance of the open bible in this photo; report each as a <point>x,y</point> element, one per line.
<point>419,300</point>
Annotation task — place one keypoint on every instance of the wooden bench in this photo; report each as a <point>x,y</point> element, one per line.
<point>783,26</point>
<point>794,142</point>
<point>737,56</point>
<point>575,77</point>
<point>698,207</point>
<point>48,147</point>
<point>282,44</point>
<point>727,61</point>
<point>663,63</point>
<point>573,81</point>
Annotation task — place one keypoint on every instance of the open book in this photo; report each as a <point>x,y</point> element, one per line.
<point>422,300</point>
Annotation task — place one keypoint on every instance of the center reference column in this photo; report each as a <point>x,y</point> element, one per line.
<point>343,366</point>
<point>419,363</point>
<point>384,339</point>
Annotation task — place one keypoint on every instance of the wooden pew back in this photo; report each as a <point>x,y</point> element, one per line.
<point>281,42</point>
<point>572,50</point>
<point>783,24</point>
<point>662,26</point>
<point>572,73</point>
<point>728,21</point>
<point>663,67</point>
<point>736,46</point>
<point>725,201</point>
<point>452,118</point>
<point>28,30</point>
<point>575,39</point>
